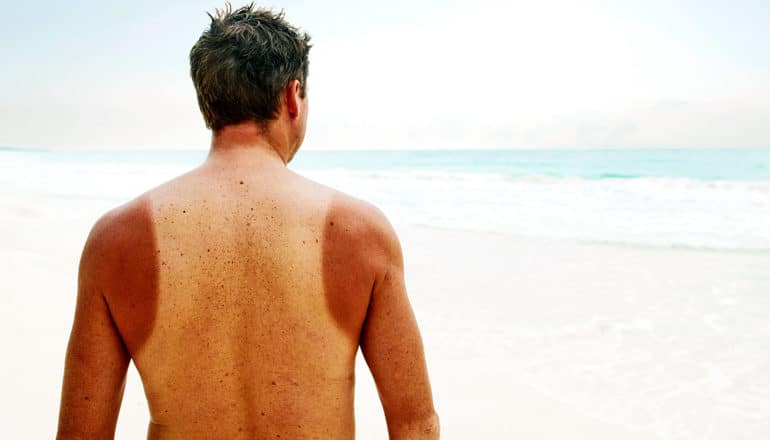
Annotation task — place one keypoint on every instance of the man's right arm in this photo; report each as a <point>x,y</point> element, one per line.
<point>392,345</point>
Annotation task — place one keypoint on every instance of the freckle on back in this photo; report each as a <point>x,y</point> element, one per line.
<point>257,309</point>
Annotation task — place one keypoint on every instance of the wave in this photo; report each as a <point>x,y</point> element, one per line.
<point>615,208</point>
<point>646,211</point>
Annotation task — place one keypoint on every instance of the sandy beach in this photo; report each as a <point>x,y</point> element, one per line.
<point>525,338</point>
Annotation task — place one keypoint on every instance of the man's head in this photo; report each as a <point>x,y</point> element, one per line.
<point>251,65</point>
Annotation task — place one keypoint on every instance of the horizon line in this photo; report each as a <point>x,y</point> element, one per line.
<point>381,149</point>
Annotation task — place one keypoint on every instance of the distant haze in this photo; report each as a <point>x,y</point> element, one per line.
<point>407,74</point>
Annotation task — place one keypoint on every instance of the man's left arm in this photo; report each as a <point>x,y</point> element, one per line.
<point>97,360</point>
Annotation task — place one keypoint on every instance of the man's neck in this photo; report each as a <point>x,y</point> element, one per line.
<point>248,141</point>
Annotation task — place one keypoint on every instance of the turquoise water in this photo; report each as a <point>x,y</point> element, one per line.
<point>701,164</point>
<point>694,198</point>
<point>747,164</point>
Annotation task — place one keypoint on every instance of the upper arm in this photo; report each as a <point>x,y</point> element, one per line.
<point>392,345</point>
<point>97,360</point>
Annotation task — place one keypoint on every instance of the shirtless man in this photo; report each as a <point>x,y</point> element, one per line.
<point>242,290</point>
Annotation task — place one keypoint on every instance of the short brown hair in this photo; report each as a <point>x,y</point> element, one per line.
<point>241,65</point>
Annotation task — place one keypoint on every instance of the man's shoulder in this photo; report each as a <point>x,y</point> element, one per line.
<point>362,222</point>
<point>362,212</point>
<point>120,231</point>
<point>359,215</point>
<point>125,223</point>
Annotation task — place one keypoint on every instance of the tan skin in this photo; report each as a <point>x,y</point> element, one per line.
<point>242,292</point>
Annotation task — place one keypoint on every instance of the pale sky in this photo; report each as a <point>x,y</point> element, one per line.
<point>406,74</point>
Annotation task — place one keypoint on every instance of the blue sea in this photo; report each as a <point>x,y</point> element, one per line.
<point>690,198</point>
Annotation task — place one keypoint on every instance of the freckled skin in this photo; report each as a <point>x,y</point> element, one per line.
<point>244,321</point>
<point>347,277</point>
<point>242,306</point>
<point>242,292</point>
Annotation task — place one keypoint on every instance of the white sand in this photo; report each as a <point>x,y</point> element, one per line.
<point>525,338</point>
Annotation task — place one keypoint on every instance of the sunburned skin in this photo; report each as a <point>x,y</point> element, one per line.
<point>133,271</point>
<point>241,295</point>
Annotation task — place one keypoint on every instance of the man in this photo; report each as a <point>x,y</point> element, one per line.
<point>242,290</point>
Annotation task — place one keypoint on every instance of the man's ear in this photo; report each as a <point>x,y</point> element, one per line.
<point>293,98</point>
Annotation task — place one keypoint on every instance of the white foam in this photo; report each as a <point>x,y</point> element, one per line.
<point>644,211</point>
<point>663,212</point>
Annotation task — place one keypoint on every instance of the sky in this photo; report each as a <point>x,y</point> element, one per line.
<point>406,74</point>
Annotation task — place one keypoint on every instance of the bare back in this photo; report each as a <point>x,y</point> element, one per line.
<point>242,295</point>
<point>252,323</point>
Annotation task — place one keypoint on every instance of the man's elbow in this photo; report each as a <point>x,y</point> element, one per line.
<point>425,426</point>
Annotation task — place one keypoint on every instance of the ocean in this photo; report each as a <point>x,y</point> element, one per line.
<point>682,198</point>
